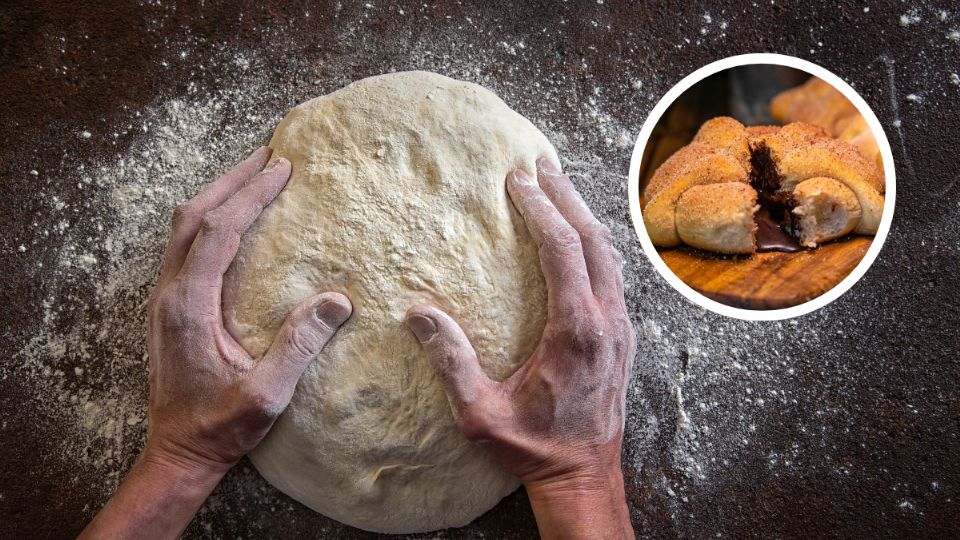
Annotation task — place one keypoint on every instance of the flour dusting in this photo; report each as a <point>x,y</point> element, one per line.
<point>710,397</point>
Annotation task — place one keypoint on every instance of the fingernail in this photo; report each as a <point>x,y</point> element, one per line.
<point>423,327</point>
<point>522,177</point>
<point>332,313</point>
<point>275,163</point>
<point>549,167</point>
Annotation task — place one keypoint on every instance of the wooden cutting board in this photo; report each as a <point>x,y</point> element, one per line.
<point>771,280</point>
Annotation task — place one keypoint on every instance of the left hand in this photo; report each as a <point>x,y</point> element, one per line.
<point>210,401</point>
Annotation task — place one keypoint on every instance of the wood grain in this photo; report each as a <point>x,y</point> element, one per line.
<point>770,280</point>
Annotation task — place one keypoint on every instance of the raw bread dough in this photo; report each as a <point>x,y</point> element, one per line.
<point>398,196</point>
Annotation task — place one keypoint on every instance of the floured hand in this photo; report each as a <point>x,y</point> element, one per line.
<point>210,401</point>
<point>557,423</point>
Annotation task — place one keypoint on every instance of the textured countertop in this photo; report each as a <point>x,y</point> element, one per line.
<point>841,423</point>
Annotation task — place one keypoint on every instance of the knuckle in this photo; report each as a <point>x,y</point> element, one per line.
<point>173,312</point>
<point>586,337</point>
<point>221,227</point>
<point>564,239</point>
<point>619,343</point>
<point>599,232</point>
<point>303,342</point>
<point>260,406</point>
<point>211,223</point>
<point>622,336</point>
<point>594,323</point>
<point>620,324</point>
<point>166,304</point>
<point>184,215</point>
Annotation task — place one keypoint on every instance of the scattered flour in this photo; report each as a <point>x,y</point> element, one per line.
<point>707,392</point>
<point>910,18</point>
<point>86,363</point>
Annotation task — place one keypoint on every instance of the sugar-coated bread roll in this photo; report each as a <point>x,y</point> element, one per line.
<point>718,217</point>
<point>727,136</point>
<point>858,133</point>
<point>800,153</point>
<point>815,102</point>
<point>722,135</point>
<point>819,103</point>
<point>808,186</point>
<point>696,164</point>
<point>826,209</point>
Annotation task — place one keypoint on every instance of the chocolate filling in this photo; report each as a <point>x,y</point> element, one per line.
<point>777,228</point>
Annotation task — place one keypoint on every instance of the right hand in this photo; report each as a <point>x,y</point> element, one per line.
<point>557,423</point>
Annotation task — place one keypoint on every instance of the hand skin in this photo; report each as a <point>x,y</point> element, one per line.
<point>557,423</point>
<point>210,401</point>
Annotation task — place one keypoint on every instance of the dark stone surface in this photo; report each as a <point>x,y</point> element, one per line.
<point>876,373</point>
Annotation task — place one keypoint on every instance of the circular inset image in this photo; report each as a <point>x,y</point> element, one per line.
<point>762,187</point>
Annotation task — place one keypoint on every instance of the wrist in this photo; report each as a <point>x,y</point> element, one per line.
<point>158,497</point>
<point>576,485</point>
<point>169,458</point>
<point>581,505</point>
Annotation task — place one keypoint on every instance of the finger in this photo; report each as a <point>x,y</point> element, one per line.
<point>220,231</point>
<point>301,338</point>
<point>451,355</point>
<point>187,217</point>
<point>561,254</point>
<point>604,263</point>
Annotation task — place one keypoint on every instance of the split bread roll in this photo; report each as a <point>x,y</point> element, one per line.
<point>818,103</point>
<point>826,210</point>
<point>802,151</point>
<point>707,193</point>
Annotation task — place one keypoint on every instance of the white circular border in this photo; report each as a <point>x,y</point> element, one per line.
<point>633,188</point>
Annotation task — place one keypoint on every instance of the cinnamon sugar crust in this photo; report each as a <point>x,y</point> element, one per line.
<point>703,186</point>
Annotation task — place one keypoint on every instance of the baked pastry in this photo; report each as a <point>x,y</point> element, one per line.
<point>814,102</point>
<point>859,134</point>
<point>735,189</point>
<point>719,153</point>
<point>801,151</point>
<point>718,217</point>
<point>826,210</point>
<point>818,103</point>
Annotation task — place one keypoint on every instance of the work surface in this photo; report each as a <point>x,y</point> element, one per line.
<point>843,422</point>
<point>769,280</point>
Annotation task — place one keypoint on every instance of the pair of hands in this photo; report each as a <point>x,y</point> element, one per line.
<point>556,423</point>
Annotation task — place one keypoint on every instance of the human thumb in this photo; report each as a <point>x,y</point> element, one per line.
<point>451,355</point>
<point>304,333</point>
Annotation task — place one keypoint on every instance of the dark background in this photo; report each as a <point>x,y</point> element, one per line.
<point>841,423</point>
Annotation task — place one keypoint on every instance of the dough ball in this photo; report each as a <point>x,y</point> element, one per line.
<point>397,197</point>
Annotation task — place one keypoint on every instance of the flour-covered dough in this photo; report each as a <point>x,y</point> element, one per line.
<point>397,197</point>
